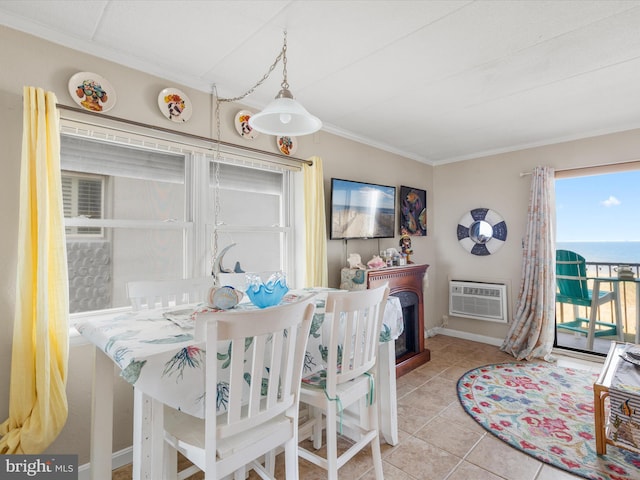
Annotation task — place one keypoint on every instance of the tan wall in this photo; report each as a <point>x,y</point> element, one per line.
<point>30,61</point>
<point>494,182</point>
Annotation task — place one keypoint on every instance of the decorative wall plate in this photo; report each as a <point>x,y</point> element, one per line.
<point>482,231</point>
<point>175,105</point>
<point>242,125</point>
<point>287,145</point>
<point>92,92</point>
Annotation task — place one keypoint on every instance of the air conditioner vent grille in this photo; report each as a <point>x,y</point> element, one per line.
<point>481,301</point>
<point>482,292</point>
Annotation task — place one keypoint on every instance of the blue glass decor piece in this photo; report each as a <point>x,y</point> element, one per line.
<point>266,294</point>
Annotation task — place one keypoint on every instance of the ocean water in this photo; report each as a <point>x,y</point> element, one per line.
<point>608,252</point>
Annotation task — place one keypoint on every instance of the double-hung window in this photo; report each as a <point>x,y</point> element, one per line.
<point>146,210</point>
<point>254,215</point>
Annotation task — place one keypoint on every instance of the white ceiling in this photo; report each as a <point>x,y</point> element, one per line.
<point>437,81</point>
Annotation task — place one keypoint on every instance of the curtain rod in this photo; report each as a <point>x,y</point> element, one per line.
<point>183,134</point>
<point>614,167</point>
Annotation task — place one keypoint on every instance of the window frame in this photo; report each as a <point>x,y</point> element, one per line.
<point>197,232</point>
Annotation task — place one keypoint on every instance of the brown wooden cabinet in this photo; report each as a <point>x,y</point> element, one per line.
<point>406,283</point>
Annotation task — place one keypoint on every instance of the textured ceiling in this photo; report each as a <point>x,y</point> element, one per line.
<point>437,81</point>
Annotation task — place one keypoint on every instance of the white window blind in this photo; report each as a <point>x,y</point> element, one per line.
<point>101,158</point>
<point>82,196</point>
<point>235,177</point>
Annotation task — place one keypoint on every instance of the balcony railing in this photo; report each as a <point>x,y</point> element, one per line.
<point>606,312</point>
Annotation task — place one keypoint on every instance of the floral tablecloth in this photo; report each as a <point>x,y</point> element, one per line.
<point>156,350</point>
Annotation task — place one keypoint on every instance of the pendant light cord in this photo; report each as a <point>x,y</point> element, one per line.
<point>216,189</point>
<point>282,56</point>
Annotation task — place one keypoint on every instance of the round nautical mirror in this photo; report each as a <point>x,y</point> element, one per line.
<point>482,231</point>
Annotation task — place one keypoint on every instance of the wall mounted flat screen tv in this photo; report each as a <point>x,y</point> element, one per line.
<point>362,210</point>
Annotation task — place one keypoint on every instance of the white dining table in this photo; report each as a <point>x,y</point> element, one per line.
<point>157,352</point>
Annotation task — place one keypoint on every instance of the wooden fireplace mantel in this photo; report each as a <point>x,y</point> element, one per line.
<point>407,278</point>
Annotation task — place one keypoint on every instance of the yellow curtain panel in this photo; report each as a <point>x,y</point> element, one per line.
<point>315,225</point>
<point>37,398</point>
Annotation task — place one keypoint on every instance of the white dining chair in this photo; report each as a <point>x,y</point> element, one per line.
<point>267,356</point>
<point>355,321</point>
<point>149,294</point>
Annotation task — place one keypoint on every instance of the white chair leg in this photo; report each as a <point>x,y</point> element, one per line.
<point>170,460</point>
<point>290,459</point>
<point>386,393</point>
<point>317,427</point>
<point>240,474</point>
<point>270,462</point>
<point>364,412</point>
<point>332,443</point>
<point>376,454</point>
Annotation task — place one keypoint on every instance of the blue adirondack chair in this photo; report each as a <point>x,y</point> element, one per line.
<point>571,279</point>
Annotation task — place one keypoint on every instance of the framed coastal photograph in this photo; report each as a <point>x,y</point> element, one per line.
<point>413,211</point>
<point>361,210</point>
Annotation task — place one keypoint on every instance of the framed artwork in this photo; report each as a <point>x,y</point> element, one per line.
<point>413,211</point>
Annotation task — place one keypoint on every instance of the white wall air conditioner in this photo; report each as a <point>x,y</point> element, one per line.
<point>482,301</point>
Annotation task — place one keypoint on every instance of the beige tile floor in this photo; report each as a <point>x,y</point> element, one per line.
<point>438,440</point>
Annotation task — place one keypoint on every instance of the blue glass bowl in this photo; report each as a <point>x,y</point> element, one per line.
<point>266,294</point>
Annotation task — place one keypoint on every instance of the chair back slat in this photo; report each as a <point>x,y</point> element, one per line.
<point>257,376</point>
<point>275,369</point>
<point>289,357</point>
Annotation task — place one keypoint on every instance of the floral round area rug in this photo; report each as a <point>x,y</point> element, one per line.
<point>547,412</point>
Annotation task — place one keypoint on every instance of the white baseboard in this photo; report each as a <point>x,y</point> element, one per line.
<point>119,459</point>
<point>470,336</point>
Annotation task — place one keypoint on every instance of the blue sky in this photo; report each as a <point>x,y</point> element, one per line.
<point>599,208</point>
<point>363,194</point>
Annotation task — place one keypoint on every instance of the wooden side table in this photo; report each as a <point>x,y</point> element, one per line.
<point>600,394</point>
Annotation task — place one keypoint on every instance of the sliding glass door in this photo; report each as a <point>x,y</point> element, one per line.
<point>598,230</point>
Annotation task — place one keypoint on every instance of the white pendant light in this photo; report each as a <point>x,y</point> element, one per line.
<point>284,116</point>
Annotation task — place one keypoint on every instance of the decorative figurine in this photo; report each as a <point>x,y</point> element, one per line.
<point>405,245</point>
<point>224,298</point>
<point>355,261</point>
<point>376,262</point>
